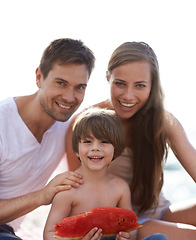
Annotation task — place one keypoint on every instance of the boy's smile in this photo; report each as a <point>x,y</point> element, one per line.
<point>95,158</point>
<point>95,154</point>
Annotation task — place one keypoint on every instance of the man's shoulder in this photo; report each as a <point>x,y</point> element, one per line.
<point>6,103</point>
<point>7,108</point>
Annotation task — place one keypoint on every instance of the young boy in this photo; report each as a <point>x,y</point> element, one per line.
<point>97,140</point>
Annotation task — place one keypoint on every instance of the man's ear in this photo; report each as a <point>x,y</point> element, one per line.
<point>39,76</point>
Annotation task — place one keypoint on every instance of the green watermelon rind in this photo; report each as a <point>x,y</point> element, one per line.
<point>79,238</point>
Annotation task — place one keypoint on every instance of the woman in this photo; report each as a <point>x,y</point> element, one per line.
<point>137,98</point>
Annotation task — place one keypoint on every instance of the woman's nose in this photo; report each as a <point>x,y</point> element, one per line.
<point>129,94</point>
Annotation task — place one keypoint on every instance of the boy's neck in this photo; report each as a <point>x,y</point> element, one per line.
<point>92,176</point>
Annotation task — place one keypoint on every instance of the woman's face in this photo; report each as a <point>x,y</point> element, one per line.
<point>130,86</point>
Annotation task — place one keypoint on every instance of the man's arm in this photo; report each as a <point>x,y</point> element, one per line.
<point>19,206</point>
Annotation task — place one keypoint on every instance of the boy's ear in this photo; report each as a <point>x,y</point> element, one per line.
<point>77,154</point>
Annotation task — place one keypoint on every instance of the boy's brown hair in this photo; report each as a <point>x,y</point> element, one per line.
<point>101,124</point>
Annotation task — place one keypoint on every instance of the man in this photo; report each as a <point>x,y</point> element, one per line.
<point>32,132</point>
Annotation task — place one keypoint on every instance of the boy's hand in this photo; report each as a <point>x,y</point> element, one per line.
<point>123,236</point>
<point>61,182</point>
<point>93,234</point>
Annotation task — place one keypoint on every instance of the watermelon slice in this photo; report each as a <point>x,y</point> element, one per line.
<point>111,220</point>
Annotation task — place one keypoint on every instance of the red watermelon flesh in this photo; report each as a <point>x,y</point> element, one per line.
<point>111,220</point>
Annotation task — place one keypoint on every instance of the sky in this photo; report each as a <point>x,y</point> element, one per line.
<point>27,28</point>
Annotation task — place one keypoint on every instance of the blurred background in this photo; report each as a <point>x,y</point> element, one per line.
<point>27,27</point>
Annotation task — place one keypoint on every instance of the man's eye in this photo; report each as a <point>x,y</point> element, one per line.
<point>81,88</point>
<point>61,83</point>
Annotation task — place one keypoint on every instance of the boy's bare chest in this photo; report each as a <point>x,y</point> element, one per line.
<point>90,197</point>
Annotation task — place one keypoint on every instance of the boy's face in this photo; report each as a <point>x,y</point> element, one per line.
<point>95,154</point>
<point>62,91</point>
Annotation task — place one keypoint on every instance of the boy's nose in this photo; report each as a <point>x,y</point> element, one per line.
<point>95,147</point>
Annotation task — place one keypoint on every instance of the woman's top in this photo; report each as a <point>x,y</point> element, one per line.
<point>122,167</point>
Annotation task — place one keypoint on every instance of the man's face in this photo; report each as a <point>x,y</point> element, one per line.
<point>62,91</point>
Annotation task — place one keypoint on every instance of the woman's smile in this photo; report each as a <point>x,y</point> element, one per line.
<point>130,86</point>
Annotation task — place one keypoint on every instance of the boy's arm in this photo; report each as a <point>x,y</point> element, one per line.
<point>60,209</point>
<point>125,202</point>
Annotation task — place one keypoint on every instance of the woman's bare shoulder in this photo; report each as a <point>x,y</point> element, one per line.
<point>170,118</point>
<point>173,126</point>
<point>105,104</point>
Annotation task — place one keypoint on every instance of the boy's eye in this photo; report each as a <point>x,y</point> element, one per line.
<point>86,141</point>
<point>104,141</point>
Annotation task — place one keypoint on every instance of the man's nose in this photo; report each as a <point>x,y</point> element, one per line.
<point>69,95</point>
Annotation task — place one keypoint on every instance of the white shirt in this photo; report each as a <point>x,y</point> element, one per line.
<point>26,164</point>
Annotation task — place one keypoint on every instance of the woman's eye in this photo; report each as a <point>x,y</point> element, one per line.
<point>140,85</point>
